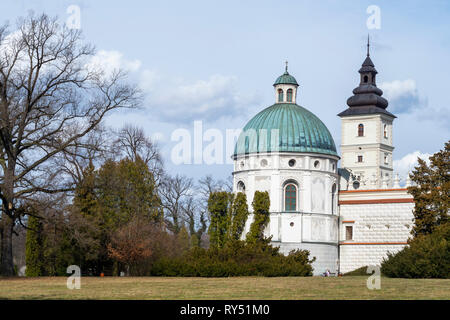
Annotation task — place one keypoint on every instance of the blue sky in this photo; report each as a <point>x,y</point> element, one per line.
<point>216,61</point>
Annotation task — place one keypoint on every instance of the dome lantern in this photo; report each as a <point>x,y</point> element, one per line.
<point>285,88</point>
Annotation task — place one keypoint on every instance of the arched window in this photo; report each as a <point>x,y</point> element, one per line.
<point>280,95</point>
<point>289,95</point>
<point>366,78</point>
<point>385,131</point>
<point>360,130</point>
<point>241,186</point>
<point>333,196</point>
<point>290,197</point>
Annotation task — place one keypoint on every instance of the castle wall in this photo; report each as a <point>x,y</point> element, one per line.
<point>380,220</point>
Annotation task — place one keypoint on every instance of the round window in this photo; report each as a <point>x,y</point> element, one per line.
<point>356,185</point>
<point>263,163</point>
<point>291,163</point>
<point>316,164</point>
<point>242,164</point>
<point>291,224</point>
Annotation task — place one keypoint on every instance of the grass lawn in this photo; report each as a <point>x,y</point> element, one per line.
<point>350,287</point>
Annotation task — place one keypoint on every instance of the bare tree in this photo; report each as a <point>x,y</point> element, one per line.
<point>93,148</point>
<point>175,193</point>
<point>132,143</point>
<point>195,217</point>
<point>50,98</point>
<point>207,185</point>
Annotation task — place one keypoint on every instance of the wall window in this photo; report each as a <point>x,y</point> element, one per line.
<point>385,131</point>
<point>317,164</point>
<point>280,95</point>
<point>289,95</point>
<point>360,158</point>
<point>290,197</point>
<point>360,130</point>
<point>349,233</point>
<point>241,186</point>
<point>386,159</point>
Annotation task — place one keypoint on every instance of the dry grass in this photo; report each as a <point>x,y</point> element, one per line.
<point>257,288</point>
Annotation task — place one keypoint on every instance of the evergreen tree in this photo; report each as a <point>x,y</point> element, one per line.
<point>126,189</point>
<point>34,248</point>
<point>240,215</point>
<point>431,192</point>
<point>218,206</point>
<point>184,240</point>
<point>110,198</point>
<point>85,196</point>
<point>261,216</point>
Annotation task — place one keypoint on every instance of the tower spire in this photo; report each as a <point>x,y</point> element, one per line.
<point>368,45</point>
<point>286,66</point>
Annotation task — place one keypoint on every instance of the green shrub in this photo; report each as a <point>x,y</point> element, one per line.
<point>236,258</point>
<point>261,216</point>
<point>427,256</point>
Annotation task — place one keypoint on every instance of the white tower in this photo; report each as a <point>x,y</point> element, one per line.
<point>367,145</point>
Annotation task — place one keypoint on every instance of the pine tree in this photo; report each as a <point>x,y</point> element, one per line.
<point>431,192</point>
<point>34,248</point>
<point>261,216</point>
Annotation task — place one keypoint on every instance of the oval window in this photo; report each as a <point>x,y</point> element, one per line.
<point>263,163</point>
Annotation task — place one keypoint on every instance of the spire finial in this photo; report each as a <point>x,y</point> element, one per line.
<point>368,45</point>
<point>286,65</point>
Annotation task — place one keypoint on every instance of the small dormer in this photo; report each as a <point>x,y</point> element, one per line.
<point>286,88</point>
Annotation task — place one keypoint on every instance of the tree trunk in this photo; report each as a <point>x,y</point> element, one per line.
<point>7,265</point>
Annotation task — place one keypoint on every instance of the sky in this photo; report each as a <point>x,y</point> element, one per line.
<point>211,64</point>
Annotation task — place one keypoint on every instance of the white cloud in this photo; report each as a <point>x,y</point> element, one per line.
<point>406,164</point>
<point>110,61</point>
<point>177,100</point>
<point>403,95</point>
<point>174,99</point>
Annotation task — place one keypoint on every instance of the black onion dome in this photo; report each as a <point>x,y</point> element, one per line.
<point>368,66</point>
<point>367,97</point>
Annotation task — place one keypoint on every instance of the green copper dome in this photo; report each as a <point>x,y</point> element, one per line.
<point>286,78</point>
<point>299,130</point>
